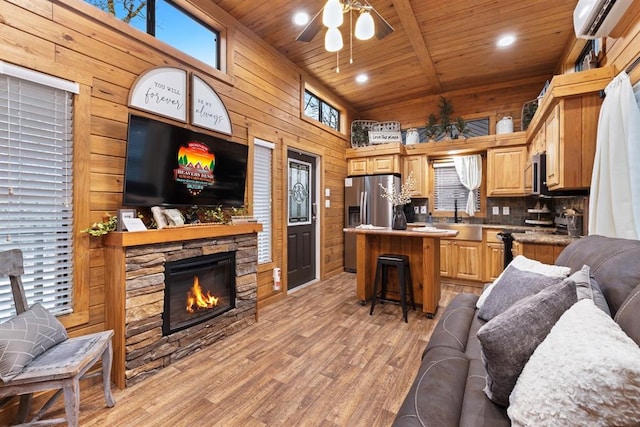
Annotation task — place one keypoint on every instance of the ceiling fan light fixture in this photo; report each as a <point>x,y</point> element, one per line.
<point>333,40</point>
<point>301,18</point>
<point>365,27</point>
<point>332,14</point>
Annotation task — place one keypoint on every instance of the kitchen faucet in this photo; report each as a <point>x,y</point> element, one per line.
<point>456,219</point>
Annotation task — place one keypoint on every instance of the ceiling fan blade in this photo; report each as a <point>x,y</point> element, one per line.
<point>383,28</point>
<point>312,28</point>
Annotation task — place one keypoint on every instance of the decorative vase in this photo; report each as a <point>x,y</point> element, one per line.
<point>399,220</point>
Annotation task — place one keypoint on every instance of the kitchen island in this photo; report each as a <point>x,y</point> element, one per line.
<point>423,249</point>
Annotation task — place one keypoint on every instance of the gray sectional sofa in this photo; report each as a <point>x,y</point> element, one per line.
<point>448,388</point>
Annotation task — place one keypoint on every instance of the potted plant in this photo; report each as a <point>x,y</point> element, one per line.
<point>431,127</point>
<point>461,127</point>
<point>359,135</point>
<point>446,110</point>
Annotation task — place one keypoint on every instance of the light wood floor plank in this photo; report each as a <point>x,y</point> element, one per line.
<point>316,359</point>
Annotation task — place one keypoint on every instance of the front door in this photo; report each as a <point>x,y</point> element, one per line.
<point>301,240</point>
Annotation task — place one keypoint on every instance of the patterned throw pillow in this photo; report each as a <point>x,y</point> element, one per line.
<point>25,337</point>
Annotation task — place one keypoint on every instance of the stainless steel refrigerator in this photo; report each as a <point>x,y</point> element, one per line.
<point>364,204</point>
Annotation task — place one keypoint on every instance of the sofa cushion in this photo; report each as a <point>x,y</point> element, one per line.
<point>452,329</point>
<point>614,264</point>
<point>586,372</point>
<point>435,397</point>
<point>523,263</point>
<point>477,409</point>
<point>514,285</point>
<point>25,337</point>
<point>509,339</point>
<point>627,315</point>
<point>587,287</point>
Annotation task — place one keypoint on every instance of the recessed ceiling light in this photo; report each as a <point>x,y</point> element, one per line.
<point>507,40</point>
<point>301,18</point>
<point>361,78</point>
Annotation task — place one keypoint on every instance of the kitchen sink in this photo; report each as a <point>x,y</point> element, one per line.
<point>465,231</point>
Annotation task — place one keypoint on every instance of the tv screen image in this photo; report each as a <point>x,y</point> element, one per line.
<point>168,165</point>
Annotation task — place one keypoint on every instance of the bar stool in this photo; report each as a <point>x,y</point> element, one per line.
<point>401,263</point>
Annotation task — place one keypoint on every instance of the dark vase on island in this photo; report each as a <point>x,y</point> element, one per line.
<point>399,220</point>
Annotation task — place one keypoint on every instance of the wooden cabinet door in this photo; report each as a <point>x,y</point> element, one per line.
<point>384,164</point>
<point>417,165</point>
<point>445,258</point>
<point>357,167</point>
<point>505,171</point>
<point>552,141</point>
<point>468,260</point>
<point>528,177</point>
<point>493,261</point>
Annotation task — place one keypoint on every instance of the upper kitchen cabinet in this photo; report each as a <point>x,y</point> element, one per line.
<point>567,119</point>
<point>416,164</point>
<point>374,159</point>
<point>505,168</point>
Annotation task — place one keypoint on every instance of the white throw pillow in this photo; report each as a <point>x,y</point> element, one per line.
<point>523,263</point>
<point>585,372</point>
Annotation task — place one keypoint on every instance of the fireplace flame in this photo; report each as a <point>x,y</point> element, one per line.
<point>196,299</point>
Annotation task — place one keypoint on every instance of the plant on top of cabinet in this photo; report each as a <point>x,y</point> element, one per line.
<point>431,127</point>
<point>446,110</point>
<point>461,127</point>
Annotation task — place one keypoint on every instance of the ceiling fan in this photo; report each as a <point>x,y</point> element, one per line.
<point>381,27</point>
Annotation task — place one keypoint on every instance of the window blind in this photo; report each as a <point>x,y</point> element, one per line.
<point>448,188</point>
<point>262,191</point>
<point>36,206</point>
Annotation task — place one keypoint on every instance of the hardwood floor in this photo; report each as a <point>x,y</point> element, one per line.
<point>315,359</point>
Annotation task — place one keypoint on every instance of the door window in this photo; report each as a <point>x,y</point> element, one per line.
<point>299,192</point>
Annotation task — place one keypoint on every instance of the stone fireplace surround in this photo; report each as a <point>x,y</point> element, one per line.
<point>140,350</point>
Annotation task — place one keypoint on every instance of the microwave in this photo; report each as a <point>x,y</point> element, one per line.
<point>539,175</point>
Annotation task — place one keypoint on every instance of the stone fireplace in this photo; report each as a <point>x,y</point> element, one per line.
<point>137,304</point>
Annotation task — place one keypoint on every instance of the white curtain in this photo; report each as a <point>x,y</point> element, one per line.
<point>469,170</point>
<point>614,206</point>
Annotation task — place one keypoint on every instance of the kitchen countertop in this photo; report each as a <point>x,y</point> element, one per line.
<point>488,226</point>
<point>408,232</point>
<point>543,238</point>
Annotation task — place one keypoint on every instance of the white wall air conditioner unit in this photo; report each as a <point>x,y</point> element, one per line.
<point>593,19</point>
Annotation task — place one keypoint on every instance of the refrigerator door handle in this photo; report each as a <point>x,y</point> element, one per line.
<point>365,204</point>
<point>362,207</point>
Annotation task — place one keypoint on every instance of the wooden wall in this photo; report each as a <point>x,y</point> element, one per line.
<point>73,40</point>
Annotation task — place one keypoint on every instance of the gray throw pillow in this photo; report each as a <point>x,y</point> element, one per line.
<point>587,287</point>
<point>510,338</point>
<point>25,337</point>
<point>513,286</point>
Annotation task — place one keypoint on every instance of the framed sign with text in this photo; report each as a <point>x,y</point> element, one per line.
<point>207,109</point>
<point>162,91</point>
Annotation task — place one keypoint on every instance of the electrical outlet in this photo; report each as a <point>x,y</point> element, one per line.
<point>416,209</point>
<point>505,210</point>
<point>327,203</point>
<point>496,210</point>
<point>423,210</point>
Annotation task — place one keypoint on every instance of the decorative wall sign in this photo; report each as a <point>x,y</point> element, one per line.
<point>207,109</point>
<point>162,91</point>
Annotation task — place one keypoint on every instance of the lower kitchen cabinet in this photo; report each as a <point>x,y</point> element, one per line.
<point>461,259</point>
<point>545,253</point>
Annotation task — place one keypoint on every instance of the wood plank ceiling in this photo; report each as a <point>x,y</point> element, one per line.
<point>436,47</point>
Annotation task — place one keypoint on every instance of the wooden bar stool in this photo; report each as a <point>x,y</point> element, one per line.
<point>401,263</point>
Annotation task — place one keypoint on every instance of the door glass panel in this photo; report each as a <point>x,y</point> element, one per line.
<point>299,192</point>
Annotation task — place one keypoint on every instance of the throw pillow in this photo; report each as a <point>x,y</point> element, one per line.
<point>509,339</point>
<point>587,287</point>
<point>25,337</point>
<point>586,372</point>
<point>523,263</point>
<point>513,286</point>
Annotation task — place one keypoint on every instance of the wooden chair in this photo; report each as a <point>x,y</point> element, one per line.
<point>59,368</point>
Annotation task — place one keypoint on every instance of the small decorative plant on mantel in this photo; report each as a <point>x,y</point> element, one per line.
<point>108,224</point>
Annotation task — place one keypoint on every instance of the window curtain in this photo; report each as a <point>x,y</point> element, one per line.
<point>469,170</point>
<point>614,208</point>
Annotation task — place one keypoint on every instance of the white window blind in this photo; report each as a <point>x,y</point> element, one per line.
<point>262,191</point>
<point>36,206</point>
<point>448,189</point>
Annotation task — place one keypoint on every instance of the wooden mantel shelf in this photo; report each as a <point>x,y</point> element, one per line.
<point>173,234</point>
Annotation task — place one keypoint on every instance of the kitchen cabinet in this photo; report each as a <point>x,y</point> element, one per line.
<point>418,165</point>
<point>374,165</point>
<point>545,253</point>
<point>493,255</point>
<point>504,171</point>
<point>461,259</point>
<point>552,142</point>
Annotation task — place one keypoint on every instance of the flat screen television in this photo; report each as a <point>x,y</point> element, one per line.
<point>167,165</point>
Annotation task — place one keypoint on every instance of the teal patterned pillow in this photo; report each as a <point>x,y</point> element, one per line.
<point>25,337</point>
